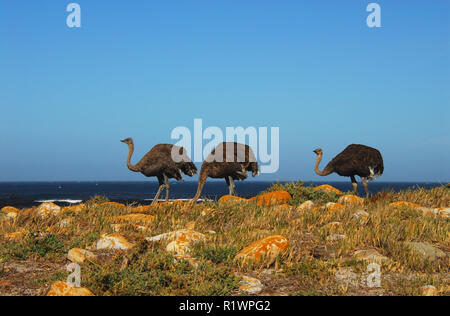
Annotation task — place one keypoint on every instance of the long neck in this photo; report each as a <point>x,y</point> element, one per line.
<point>130,153</point>
<point>201,183</point>
<point>316,168</point>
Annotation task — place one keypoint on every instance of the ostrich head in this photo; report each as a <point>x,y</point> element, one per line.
<point>318,151</point>
<point>128,141</point>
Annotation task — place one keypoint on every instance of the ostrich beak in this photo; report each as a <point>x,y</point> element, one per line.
<point>123,141</point>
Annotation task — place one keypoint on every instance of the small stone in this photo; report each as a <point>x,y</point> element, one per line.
<point>114,241</point>
<point>263,251</point>
<point>336,237</point>
<point>370,255</point>
<point>79,256</point>
<point>426,251</point>
<point>250,285</point>
<point>351,200</point>
<point>363,216</point>
<point>182,235</point>
<point>306,206</point>
<point>64,289</point>
<point>10,212</point>
<point>429,290</point>
<point>227,199</point>
<point>334,207</point>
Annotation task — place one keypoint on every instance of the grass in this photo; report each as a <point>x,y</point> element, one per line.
<point>148,269</point>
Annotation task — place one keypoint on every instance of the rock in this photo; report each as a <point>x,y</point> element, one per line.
<point>443,211</point>
<point>404,204</point>
<point>66,222</point>
<point>136,218</point>
<point>121,227</point>
<point>336,237</point>
<point>351,200</point>
<point>141,209</point>
<point>370,255</point>
<point>74,208</point>
<point>347,276</point>
<point>363,216</point>
<point>178,247</point>
<point>250,285</point>
<point>181,235</point>
<point>263,251</point>
<point>192,261</point>
<point>334,207</point>
<point>79,256</point>
<point>427,251</point>
<point>306,206</point>
<point>48,209</point>
<point>10,212</point>
<point>328,188</point>
<point>324,252</point>
<point>429,290</point>
<point>273,198</point>
<point>114,241</point>
<point>226,199</point>
<point>64,289</point>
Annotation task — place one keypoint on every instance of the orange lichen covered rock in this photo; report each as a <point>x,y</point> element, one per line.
<point>80,255</point>
<point>184,235</point>
<point>334,207</point>
<point>64,289</point>
<point>10,212</point>
<point>263,251</point>
<point>114,241</point>
<point>136,218</point>
<point>74,208</point>
<point>328,188</point>
<point>250,285</point>
<point>113,204</point>
<point>351,200</point>
<point>142,209</point>
<point>231,199</point>
<point>273,198</point>
<point>179,247</point>
<point>48,209</point>
<point>401,204</point>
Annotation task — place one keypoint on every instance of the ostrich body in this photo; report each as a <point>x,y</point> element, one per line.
<point>158,163</point>
<point>230,161</point>
<point>355,160</point>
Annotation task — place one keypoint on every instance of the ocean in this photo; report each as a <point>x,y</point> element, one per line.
<point>28,194</point>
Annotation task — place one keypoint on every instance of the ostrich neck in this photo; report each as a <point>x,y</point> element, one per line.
<point>130,153</point>
<point>321,173</point>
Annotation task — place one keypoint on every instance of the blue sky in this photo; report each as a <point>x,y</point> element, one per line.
<point>141,68</point>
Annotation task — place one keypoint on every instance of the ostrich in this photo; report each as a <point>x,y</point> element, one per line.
<point>355,160</point>
<point>230,161</point>
<point>158,163</point>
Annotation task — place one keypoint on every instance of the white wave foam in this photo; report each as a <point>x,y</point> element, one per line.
<point>61,201</point>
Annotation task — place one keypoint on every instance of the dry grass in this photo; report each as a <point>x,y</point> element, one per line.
<point>148,269</point>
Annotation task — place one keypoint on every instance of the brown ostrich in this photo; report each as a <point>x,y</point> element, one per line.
<point>355,160</point>
<point>230,161</point>
<point>158,163</point>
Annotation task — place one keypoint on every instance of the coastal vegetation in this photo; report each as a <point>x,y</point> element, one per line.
<point>290,240</point>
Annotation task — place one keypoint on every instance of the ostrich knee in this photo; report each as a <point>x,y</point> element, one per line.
<point>155,199</point>
<point>167,185</point>
<point>366,187</point>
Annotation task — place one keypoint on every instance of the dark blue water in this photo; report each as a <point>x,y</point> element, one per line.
<point>27,194</point>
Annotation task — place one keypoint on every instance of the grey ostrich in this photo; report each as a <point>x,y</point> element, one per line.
<point>229,161</point>
<point>158,163</point>
<point>355,160</point>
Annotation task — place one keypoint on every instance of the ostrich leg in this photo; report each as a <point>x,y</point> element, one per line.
<point>355,184</point>
<point>366,186</point>
<point>231,185</point>
<point>161,187</point>
<point>167,183</point>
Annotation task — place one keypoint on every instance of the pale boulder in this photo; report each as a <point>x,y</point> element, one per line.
<point>48,209</point>
<point>263,251</point>
<point>114,241</point>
